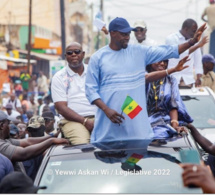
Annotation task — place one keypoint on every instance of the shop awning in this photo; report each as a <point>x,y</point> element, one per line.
<point>42,56</point>
<point>16,60</point>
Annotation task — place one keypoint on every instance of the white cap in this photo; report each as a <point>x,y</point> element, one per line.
<point>140,23</point>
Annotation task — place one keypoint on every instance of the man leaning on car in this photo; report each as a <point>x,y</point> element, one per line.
<point>68,94</point>
<point>18,150</point>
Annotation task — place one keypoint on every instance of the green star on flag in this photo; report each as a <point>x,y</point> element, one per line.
<point>130,107</point>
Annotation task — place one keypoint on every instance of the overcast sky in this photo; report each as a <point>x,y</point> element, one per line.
<point>163,17</point>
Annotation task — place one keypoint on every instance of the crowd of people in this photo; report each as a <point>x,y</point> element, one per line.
<point>90,103</point>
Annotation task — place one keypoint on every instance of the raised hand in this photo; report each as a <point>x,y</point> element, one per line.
<point>203,41</point>
<point>198,33</point>
<point>104,29</point>
<point>180,66</point>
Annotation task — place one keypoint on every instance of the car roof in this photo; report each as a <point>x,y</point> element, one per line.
<point>164,144</point>
<point>197,91</point>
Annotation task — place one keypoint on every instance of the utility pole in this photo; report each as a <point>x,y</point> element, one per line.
<point>63,35</point>
<point>101,16</point>
<point>29,36</point>
<point>91,31</point>
<point>101,8</point>
<point>102,11</point>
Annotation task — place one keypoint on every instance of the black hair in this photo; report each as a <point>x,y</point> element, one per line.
<point>36,132</point>
<point>188,23</point>
<point>148,68</point>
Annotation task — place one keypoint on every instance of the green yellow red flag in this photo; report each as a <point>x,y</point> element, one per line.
<point>134,158</point>
<point>130,107</point>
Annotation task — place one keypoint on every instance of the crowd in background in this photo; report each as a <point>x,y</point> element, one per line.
<point>26,102</point>
<point>25,97</point>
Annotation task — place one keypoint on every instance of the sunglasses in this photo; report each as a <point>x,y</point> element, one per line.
<point>78,51</point>
<point>125,34</point>
<point>140,29</point>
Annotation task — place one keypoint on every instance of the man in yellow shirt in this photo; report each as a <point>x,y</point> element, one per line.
<point>25,78</point>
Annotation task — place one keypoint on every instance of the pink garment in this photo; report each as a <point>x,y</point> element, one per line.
<point>25,102</point>
<point>18,87</point>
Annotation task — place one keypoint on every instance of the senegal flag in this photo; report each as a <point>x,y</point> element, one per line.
<point>130,107</point>
<point>134,158</point>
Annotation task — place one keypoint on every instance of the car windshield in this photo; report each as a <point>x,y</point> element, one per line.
<point>201,109</point>
<point>148,170</point>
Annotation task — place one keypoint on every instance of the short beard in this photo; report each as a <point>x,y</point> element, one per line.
<point>124,46</point>
<point>75,66</point>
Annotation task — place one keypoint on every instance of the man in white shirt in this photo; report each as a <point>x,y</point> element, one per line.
<point>68,94</point>
<point>11,113</point>
<point>140,34</point>
<point>186,77</point>
<point>14,101</point>
<point>42,84</point>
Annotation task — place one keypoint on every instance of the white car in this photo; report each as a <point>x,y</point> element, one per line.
<point>200,103</point>
<point>117,167</point>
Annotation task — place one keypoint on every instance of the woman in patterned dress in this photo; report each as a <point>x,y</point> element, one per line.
<point>165,107</point>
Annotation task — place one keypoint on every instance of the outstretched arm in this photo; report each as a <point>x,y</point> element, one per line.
<point>21,154</point>
<point>153,76</point>
<point>32,140</point>
<point>200,44</point>
<point>36,140</point>
<point>201,140</point>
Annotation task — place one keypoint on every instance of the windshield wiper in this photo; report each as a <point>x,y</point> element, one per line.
<point>187,98</point>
